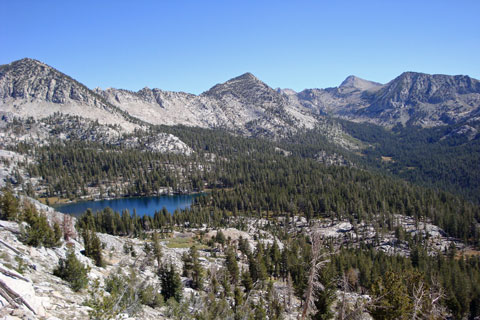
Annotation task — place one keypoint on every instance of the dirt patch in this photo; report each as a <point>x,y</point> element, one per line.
<point>53,200</point>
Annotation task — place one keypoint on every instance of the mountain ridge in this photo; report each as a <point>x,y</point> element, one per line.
<point>29,87</point>
<point>426,99</point>
<point>354,82</point>
<point>243,104</point>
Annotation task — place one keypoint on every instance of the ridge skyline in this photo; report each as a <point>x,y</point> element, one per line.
<point>247,73</point>
<point>242,103</point>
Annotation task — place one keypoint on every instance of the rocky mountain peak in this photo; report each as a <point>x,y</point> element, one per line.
<point>429,88</point>
<point>425,99</point>
<point>23,63</point>
<point>354,82</point>
<point>246,76</point>
<point>33,80</point>
<point>30,88</point>
<point>25,67</point>
<point>286,91</point>
<point>242,87</point>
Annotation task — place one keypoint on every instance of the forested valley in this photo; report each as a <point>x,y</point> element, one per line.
<point>286,194</point>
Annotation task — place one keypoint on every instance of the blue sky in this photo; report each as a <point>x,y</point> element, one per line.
<point>192,45</point>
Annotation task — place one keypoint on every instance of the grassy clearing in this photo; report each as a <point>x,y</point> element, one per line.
<point>53,200</point>
<point>188,242</point>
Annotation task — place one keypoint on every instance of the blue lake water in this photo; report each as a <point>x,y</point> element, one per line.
<point>143,205</point>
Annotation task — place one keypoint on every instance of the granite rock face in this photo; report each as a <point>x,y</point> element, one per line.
<point>425,100</point>
<point>242,105</point>
<point>30,88</point>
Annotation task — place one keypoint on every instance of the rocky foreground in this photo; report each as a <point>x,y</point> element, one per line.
<point>30,290</point>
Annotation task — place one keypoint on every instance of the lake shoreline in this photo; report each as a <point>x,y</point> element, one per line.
<point>143,205</point>
<point>55,201</point>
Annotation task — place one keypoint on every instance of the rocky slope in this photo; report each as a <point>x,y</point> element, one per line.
<point>49,297</point>
<point>58,128</point>
<point>410,99</point>
<point>30,88</point>
<point>425,100</point>
<point>243,105</point>
<point>27,271</point>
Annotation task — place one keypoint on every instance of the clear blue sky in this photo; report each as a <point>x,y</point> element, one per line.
<point>192,45</point>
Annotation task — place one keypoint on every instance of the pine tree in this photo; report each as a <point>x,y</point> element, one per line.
<point>192,268</point>
<point>247,281</point>
<point>157,249</point>
<point>170,282</point>
<point>232,265</point>
<point>38,232</point>
<point>238,297</point>
<point>197,271</point>
<point>9,205</point>
<point>260,313</point>
<point>93,246</point>
<point>275,257</point>
<point>394,301</point>
<point>220,237</point>
<point>260,266</point>
<point>73,271</point>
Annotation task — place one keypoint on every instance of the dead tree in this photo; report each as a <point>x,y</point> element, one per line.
<point>426,301</point>
<point>289,292</point>
<point>319,259</point>
<point>345,288</point>
<point>13,297</point>
<point>68,227</point>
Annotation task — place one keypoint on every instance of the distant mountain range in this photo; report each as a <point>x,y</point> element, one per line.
<point>243,105</point>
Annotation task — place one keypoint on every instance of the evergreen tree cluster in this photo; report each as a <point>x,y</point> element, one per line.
<point>69,169</point>
<point>393,278</point>
<point>92,244</point>
<point>73,271</point>
<point>249,177</point>
<point>38,232</point>
<point>434,157</point>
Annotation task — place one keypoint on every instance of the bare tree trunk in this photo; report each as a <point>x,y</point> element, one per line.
<point>11,274</point>
<point>317,262</point>
<point>418,294</point>
<point>345,288</point>
<point>289,288</point>
<point>10,247</point>
<point>15,296</point>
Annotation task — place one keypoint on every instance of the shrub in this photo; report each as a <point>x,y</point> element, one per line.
<point>38,232</point>
<point>151,297</point>
<point>73,271</point>
<point>93,247</point>
<point>9,205</point>
<point>171,283</point>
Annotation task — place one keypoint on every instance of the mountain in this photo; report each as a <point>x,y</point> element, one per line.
<point>243,105</point>
<point>30,88</point>
<point>65,109</point>
<point>410,99</point>
<point>340,101</point>
<point>352,83</point>
<point>154,106</point>
<point>425,100</point>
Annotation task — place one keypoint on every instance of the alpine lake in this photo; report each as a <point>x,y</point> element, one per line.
<point>141,205</point>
